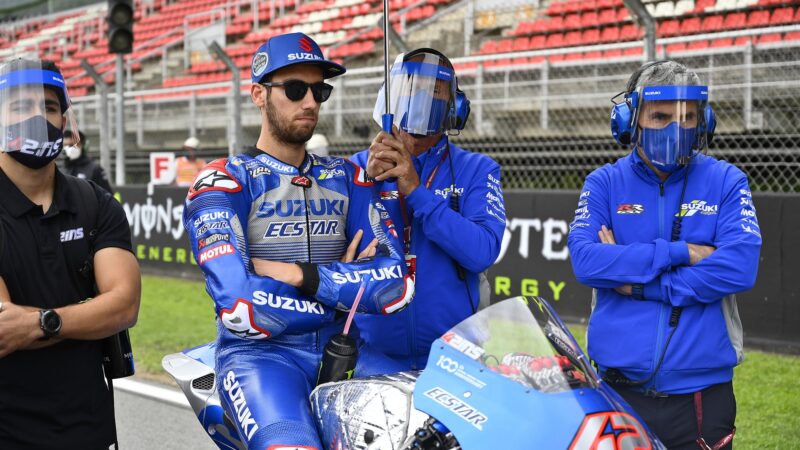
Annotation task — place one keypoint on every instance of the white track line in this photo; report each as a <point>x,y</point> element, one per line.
<point>152,391</point>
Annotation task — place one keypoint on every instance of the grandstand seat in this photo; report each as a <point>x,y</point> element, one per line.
<point>770,37</point>
<point>589,19</point>
<point>554,40</point>
<point>630,32</point>
<point>724,42</point>
<point>758,19</point>
<point>572,21</point>
<point>609,34</point>
<point>792,36</point>
<point>781,16</point>
<point>613,53</point>
<point>538,42</point>
<point>594,54</point>
<point>623,15</point>
<point>574,56</point>
<point>742,41</point>
<point>572,38</point>
<point>521,44</point>
<point>555,24</point>
<point>607,16</point>
<point>633,51</point>
<point>698,45</point>
<point>690,26</point>
<point>711,24</point>
<point>662,9</point>
<point>668,28</point>
<point>590,36</point>
<point>683,6</point>
<point>608,3</point>
<point>734,20</point>
<point>676,47</point>
<point>701,5</point>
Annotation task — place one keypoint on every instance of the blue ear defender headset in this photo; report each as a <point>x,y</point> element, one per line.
<point>625,114</point>
<point>458,110</point>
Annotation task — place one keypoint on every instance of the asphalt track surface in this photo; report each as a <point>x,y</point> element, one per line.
<point>152,416</point>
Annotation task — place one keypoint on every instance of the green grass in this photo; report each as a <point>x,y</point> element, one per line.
<point>177,314</point>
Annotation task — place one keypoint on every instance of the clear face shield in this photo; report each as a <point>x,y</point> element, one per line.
<point>35,110</point>
<point>671,124</point>
<point>422,90</point>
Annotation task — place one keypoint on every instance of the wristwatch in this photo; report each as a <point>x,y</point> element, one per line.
<point>50,323</point>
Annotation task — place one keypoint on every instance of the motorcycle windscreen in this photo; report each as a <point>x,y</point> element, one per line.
<point>35,110</point>
<point>512,376</point>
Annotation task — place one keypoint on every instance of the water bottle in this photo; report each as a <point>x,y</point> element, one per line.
<point>338,360</point>
<point>118,355</point>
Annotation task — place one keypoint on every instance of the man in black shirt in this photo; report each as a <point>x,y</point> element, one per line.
<point>68,277</point>
<point>79,164</point>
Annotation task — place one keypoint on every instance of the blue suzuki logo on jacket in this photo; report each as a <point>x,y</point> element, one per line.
<point>296,208</point>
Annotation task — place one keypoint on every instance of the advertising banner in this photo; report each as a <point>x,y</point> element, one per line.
<point>534,259</point>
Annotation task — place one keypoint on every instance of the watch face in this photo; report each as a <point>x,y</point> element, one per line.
<point>51,321</point>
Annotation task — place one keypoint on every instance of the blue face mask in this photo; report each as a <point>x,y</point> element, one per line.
<point>669,147</point>
<point>424,115</point>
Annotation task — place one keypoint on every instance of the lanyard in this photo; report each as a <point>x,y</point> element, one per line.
<point>404,207</point>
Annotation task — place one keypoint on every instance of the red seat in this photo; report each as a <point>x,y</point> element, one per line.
<point>712,23</point>
<point>690,26</point>
<point>742,41</point>
<point>630,32</point>
<point>521,44</point>
<point>538,41</point>
<point>572,38</point>
<point>724,42</point>
<point>698,45</point>
<point>573,56</point>
<point>623,15</point>
<point>676,47</point>
<point>781,16</point>
<point>614,53</point>
<point>701,5</point>
<point>556,58</point>
<point>633,51</point>
<point>758,19</point>
<point>771,37</point>
<point>734,21</point>
<point>505,46</point>
<point>793,36</point>
<point>668,28</point>
<point>607,16</point>
<point>572,21</point>
<point>609,34</point>
<point>554,40</point>
<point>596,54</point>
<point>555,24</point>
<point>589,19</point>
<point>590,36</point>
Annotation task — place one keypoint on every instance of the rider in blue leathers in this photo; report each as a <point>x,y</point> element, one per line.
<point>667,236</point>
<point>276,210</point>
<point>447,201</point>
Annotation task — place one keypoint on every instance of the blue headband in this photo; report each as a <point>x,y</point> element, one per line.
<point>424,69</point>
<point>37,77</point>
<point>651,93</point>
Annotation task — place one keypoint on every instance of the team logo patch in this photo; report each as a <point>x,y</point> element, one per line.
<point>213,239</point>
<point>305,44</point>
<point>302,181</point>
<point>214,252</point>
<point>260,62</point>
<point>389,195</point>
<point>214,177</point>
<point>258,171</point>
<point>610,430</point>
<point>330,173</point>
<point>630,208</point>
<point>701,206</point>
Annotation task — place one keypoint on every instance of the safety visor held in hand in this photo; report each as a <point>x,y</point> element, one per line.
<point>422,92</point>
<point>671,123</point>
<point>35,109</point>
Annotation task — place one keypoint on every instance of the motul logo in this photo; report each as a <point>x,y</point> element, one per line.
<point>305,44</point>
<point>215,252</point>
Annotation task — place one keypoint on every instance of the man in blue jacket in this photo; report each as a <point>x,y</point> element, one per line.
<point>447,201</point>
<point>667,236</point>
<point>267,229</point>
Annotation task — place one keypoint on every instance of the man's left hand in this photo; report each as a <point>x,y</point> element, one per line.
<point>607,237</point>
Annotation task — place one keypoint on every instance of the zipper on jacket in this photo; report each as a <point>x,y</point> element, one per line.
<point>660,333</point>
<point>308,225</point>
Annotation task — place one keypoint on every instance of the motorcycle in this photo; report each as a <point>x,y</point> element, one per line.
<point>511,376</point>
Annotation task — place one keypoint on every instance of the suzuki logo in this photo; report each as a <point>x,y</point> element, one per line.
<point>305,44</point>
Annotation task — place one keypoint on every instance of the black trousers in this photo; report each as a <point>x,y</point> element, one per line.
<point>674,420</point>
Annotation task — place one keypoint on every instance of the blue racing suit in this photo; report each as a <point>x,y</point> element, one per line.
<point>440,238</point>
<point>270,334</point>
<point>630,334</point>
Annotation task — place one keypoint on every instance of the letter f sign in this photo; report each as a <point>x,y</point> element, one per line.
<point>162,168</point>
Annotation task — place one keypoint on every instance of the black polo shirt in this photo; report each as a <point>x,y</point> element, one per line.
<point>55,397</point>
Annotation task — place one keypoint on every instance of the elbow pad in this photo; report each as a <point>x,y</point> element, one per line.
<point>388,288</point>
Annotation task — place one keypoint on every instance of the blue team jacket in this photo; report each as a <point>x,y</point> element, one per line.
<point>440,237</point>
<point>629,334</point>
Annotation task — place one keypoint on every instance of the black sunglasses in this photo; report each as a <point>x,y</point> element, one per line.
<point>295,90</point>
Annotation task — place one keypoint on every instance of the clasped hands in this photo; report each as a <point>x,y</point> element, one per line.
<point>697,253</point>
<point>390,157</point>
